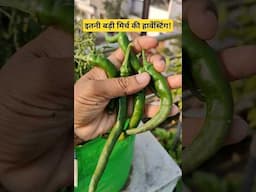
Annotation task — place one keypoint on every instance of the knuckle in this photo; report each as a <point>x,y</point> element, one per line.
<point>150,58</point>
<point>123,83</point>
<point>137,44</point>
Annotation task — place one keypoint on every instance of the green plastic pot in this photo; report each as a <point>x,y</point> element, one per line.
<point>118,168</point>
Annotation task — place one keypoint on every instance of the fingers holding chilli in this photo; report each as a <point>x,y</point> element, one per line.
<point>115,87</point>
<point>144,42</point>
<point>139,43</point>
<point>151,110</point>
<point>124,86</point>
<point>158,61</point>
<point>175,81</point>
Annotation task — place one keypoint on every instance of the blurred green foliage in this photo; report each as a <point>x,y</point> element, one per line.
<point>113,9</point>
<point>84,43</point>
<point>17,28</point>
<point>169,140</point>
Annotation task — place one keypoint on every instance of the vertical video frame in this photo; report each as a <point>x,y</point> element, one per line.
<point>127,137</point>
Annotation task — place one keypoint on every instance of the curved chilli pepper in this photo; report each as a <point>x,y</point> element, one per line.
<point>115,132</point>
<point>48,12</point>
<point>110,143</point>
<point>138,109</point>
<point>123,42</point>
<point>138,106</point>
<point>103,63</point>
<point>139,99</point>
<point>165,95</point>
<point>208,77</point>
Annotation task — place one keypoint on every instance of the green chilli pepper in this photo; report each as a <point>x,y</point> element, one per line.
<point>165,95</point>
<point>138,109</point>
<point>123,42</point>
<point>105,64</point>
<point>125,69</point>
<point>110,143</point>
<point>48,12</point>
<point>187,78</point>
<point>116,130</point>
<point>139,98</point>
<point>208,78</point>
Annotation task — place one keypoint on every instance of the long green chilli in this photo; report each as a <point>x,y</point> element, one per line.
<point>110,143</point>
<point>115,132</point>
<point>187,78</point>
<point>103,63</point>
<point>48,12</point>
<point>208,78</point>
<point>123,42</point>
<point>163,90</point>
<point>139,99</point>
<point>138,109</point>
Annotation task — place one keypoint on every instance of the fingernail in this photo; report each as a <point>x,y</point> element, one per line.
<point>142,78</point>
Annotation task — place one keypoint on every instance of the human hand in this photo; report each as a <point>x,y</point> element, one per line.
<point>36,106</point>
<point>200,13</point>
<point>94,91</point>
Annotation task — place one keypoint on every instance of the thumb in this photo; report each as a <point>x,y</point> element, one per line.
<point>122,86</point>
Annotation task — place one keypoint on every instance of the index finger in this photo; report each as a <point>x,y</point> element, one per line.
<point>239,62</point>
<point>139,43</point>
